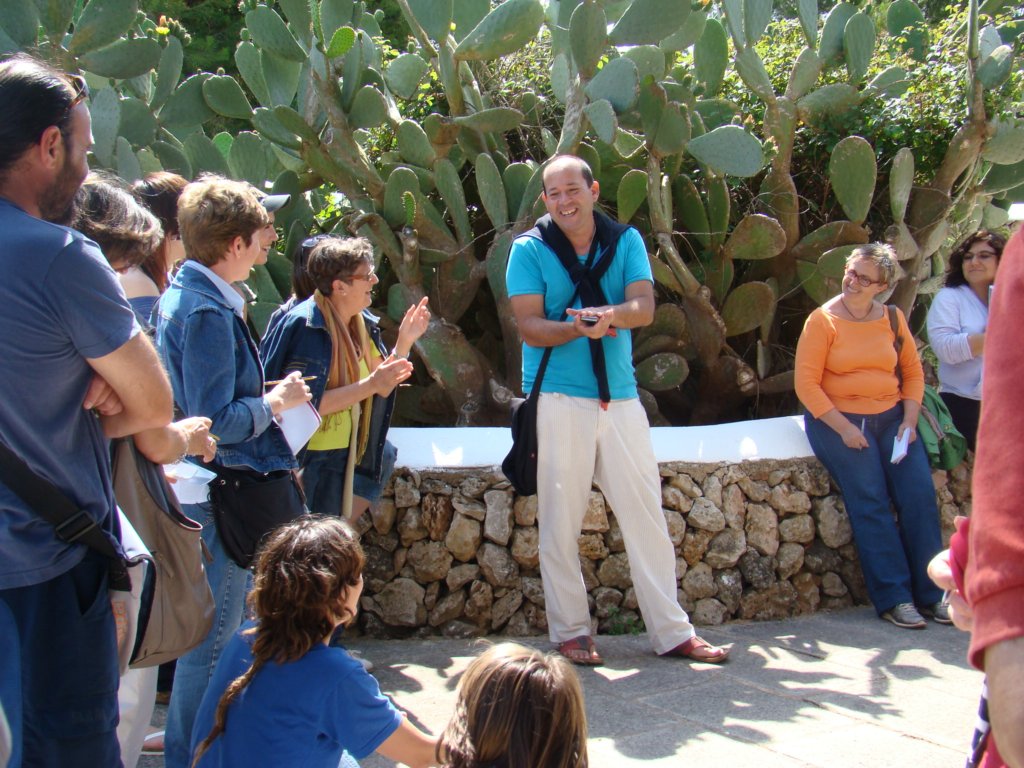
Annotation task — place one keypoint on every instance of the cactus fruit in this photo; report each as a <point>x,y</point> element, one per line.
<point>852,171</point>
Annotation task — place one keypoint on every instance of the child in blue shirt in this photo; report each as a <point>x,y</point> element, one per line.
<point>280,694</point>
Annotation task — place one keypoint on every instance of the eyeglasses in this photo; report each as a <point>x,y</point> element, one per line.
<point>81,89</point>
<point>979,255</point>
<point>368,277</point>
<point>862,279</point>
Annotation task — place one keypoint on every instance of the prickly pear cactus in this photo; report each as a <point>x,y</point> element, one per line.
<point>644,90</point>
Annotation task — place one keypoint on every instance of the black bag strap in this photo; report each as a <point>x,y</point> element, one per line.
<point>547,350</point>
<point>894,323</point>
<point>73,525</point>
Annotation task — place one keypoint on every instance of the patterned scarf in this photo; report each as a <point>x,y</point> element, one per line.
<point>344,368</point>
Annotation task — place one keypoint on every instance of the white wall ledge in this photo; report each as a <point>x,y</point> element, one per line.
<point>449,448</point>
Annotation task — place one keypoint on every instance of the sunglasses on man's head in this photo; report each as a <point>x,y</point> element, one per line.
<point>81,89</point>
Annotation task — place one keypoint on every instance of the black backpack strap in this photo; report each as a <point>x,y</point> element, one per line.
<point>73,525</point>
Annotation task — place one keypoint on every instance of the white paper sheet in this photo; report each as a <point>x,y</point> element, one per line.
<point>299,424</point>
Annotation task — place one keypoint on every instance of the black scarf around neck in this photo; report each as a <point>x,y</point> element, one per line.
<point>586,276</point>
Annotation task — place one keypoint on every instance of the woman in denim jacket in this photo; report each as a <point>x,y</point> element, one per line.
<point>333,337</point>
<point>215,372</point>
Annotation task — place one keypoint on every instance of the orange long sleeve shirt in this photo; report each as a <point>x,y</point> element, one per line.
<point>851,365</point>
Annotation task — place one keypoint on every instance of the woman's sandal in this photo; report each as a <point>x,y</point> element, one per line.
<point>698,649</point>
<point>581,650</point>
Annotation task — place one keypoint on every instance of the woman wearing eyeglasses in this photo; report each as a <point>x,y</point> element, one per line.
<point>956,327</point>
<point>332,337</point>
<point>845,376</point>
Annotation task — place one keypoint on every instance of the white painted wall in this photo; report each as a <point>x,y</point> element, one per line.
<point>781,438</point>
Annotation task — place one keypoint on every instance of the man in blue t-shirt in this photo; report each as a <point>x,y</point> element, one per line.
<point>74,371</point>
<point>591,426</point>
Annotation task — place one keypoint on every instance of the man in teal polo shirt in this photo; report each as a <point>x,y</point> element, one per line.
<point>590,423</point>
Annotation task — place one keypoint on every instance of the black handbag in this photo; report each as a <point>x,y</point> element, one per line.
<point>520,465</point>
<point>248,505</point>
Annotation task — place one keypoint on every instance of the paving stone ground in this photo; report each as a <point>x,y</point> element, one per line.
<point>835,689</point>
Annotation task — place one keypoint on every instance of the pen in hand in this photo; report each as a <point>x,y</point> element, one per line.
<point>275,382</point>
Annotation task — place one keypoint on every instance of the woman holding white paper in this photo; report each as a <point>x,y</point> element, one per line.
<point>333,338</point>
<point>858,412</point>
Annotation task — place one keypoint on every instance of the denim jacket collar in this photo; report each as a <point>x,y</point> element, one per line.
<point>196,280</point>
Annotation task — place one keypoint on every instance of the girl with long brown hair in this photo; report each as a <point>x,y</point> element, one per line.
<point>281,695</point>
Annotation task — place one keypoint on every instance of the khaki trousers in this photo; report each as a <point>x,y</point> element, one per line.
<point>580,444</point>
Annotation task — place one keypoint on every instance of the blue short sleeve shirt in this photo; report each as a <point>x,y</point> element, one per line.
<point>299,714</point>
<point>534,269</point>
<point>60,304</point>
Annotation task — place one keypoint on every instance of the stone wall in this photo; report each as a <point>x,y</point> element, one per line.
<point>454,552</point>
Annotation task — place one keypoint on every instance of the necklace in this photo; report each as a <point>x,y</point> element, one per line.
<point>850,312</point>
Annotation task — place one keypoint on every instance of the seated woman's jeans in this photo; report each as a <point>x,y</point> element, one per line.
<point>894,550</point>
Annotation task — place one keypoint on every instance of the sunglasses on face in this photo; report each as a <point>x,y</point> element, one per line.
<point>862,279</point>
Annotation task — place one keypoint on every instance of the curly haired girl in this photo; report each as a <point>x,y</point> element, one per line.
<point>280,694</point>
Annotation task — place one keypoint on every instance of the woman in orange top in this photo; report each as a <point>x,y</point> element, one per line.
<point>857,407</point>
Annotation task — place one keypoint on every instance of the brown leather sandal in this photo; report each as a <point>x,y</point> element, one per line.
<point>698,649</point>
<point>582,651</point>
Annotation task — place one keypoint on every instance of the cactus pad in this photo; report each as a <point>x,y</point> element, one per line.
<point>124,59</point>
<point>691,209</point>
<point>270,33</point>
<point>504,30</point>
<point>341,42</point>
<point>852,171</point>
<point>588,37</point>
<point>826,102</point>
<point>413,144</point>
<point>102,22</point>
<point>649,21</point>
<point>602,119</point>
<point>405,73</point>
<point>492,190</point>
<point>997,67</point>
<point>435,16</point>
<point>858,45</point>
<point>711,56</point>
<point>832,33</point>
<point>756,237</point>
<point>808,12</point>
<point>901,182</point>
<point>729,150</point>
<point>747,306</point>
<point>756,15</point>
<point>224,96</point>
<point>617,81</point>
<point>494,120</point>
<point>662,371</point>
<point>631,194</point>
<point>805,73</point>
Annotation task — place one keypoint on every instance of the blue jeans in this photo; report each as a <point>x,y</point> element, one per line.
<point>323,479</point>
<point>67,711</point>
<point>894,550</point>
<point>230,585</point>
